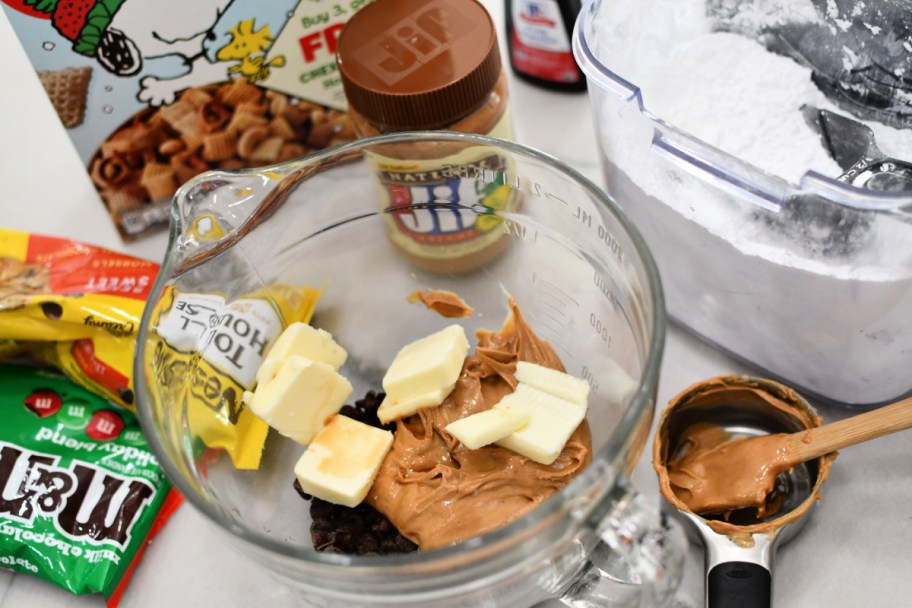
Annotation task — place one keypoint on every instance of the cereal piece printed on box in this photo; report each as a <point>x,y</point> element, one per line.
<point>67,89</point>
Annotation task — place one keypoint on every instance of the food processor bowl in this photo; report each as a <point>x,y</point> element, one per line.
<point>250,250</point>
<point>762,149</point>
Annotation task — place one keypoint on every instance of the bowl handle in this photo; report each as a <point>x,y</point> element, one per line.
<point>738,179</point>
<point>737,572</point>
<point>638,560</point>
<point>743,584</point>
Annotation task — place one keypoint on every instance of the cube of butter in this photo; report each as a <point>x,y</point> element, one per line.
<point>423,373</point>
<point>390,410</point>
<point>306,341</point>
<point>301,397</point>
<point>342,461</point>
<point>552,381</point>
<point>551,422</point>
<point>488,426</point>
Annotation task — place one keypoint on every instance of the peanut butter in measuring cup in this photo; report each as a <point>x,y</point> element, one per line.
<point>432,66</point>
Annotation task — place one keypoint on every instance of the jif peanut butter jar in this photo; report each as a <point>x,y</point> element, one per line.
<point>413,65</point>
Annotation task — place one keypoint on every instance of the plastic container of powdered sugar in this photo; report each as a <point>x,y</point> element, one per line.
<point>763,148</point>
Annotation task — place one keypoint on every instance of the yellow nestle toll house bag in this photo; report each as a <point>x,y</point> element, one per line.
<point>202,354</point>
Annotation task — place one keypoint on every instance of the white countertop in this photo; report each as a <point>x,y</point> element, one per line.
<point>856,549</point>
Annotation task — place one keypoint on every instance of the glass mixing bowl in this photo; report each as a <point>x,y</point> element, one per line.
<point>762,147</point>
<point>249,249</point>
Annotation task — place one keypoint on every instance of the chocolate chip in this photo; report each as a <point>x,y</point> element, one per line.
<point>321,509</point>
<point>322,523</point>
<point>361,530</point>
<point>381,525</point>
<point>300,490</point>
<point>321,539</point>
<point>342,538</point>
<point>367,544</point>
<point>52,310</point>
<point>126,395</point>
<point>403,544</point>
<point>389,545</point>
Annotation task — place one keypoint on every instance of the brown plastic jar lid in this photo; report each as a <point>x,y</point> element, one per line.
<point>418,64</point>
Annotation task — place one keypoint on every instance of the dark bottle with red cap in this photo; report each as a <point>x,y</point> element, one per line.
<point>538,37</point>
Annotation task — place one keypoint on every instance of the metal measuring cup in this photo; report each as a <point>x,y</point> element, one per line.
<point>739,546</point>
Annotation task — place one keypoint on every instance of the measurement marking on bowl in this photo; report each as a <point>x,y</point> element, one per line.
<point>551,334</point>
<point>543,315</point>
<point>557,198</point>
<point>566,247</point>
<point>605,289</point>
<point>589,377</point>
<point>600,327</point>
<point>552,289</point>
<point>555,309</point>
<point>586,219</point>
<point>518,230</point>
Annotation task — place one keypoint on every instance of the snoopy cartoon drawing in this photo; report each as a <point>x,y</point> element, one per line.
<point>137,34</point>
<point>124,35</point>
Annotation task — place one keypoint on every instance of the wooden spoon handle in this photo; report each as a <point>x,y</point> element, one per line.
<point>816,442</point>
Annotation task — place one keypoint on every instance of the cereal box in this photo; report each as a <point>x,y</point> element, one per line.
<point>154,93</point>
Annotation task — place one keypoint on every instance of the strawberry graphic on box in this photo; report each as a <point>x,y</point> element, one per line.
<point>121,35</point>
<point>86,23</point>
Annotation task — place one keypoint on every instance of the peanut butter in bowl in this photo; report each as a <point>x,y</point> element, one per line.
<point>457,444</point>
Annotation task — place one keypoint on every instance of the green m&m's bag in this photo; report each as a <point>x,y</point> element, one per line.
<point>80,491</point>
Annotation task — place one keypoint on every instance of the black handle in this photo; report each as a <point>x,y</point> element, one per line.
<point>739,585</point>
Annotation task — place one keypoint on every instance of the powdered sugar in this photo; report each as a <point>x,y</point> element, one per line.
<point>755,115</point>
<point>728,91</point>
<point>831,319</point>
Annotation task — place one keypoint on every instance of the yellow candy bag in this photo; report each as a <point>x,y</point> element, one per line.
<point>202,354</point>
<point>74,306</point>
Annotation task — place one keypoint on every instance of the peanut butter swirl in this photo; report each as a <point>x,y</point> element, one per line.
<point>712,476</point>
<point>438,492</point>
<point>708,483</point>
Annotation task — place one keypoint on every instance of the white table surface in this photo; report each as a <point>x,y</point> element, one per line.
<point>856,549</point>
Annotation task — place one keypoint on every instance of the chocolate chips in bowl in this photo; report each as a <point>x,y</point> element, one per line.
<point>360,530</point>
